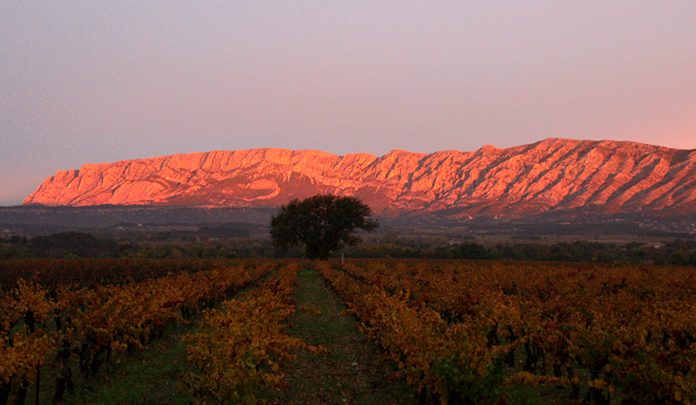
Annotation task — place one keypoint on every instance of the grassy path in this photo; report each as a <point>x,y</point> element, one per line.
<point>352,371</point>
<point>150,376</point>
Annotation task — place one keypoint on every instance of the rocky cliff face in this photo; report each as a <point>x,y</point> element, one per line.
<point>551,175</point>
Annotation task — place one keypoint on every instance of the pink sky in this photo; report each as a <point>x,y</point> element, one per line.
<point>90,81</point>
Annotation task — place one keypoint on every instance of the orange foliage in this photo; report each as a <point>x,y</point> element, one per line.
<point>603,332</point>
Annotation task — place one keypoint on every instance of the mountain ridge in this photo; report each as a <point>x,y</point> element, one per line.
<point>554,174</point>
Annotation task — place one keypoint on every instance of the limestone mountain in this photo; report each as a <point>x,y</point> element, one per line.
<point>553,175</point>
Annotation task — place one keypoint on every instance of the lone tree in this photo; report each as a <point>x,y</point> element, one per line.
<point>322,223</point>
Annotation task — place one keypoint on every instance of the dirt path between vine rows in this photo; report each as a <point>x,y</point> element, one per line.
<point>352,372</point>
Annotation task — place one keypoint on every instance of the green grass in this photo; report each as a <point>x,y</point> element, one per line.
<point>150,376</point>
<point>352,371</point>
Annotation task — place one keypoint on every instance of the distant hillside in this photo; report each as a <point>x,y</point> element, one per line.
<point>554,175</point>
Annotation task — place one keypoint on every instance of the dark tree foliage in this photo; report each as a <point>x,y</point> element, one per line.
<point>322,224</point>
<point>69,244</point>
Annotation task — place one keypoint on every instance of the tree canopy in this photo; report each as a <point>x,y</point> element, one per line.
<point>322,223</point>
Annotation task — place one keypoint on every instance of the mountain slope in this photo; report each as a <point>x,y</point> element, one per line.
<point>547,176</point>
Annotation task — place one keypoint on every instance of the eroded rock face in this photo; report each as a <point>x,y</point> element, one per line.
<point>554,174</point>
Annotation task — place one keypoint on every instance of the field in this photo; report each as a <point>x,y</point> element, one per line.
<point>368,331</point>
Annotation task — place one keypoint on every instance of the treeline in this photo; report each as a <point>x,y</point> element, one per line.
<point>61,245</point>
<point>73,245</point>
<point>677,252</point>
<point>81,245</point>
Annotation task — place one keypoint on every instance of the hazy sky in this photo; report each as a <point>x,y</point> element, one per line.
<point>91,81</point>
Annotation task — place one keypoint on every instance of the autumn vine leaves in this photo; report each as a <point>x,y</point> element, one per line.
<point>81,328</point>
<point>465,332</point>
<point>237,352</point>
<point>457,331</point>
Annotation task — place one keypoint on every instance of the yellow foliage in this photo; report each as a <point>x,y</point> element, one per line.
<point>239,347</point>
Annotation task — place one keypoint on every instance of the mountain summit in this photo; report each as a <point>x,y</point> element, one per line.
<point>550,175</point>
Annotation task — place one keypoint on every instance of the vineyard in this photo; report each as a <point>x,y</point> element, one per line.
<point>448,331</point>
<point>468,332</point>
<point>78,328</point>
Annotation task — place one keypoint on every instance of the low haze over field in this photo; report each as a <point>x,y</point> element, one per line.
<point>92,81</point>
